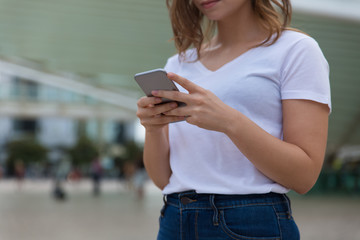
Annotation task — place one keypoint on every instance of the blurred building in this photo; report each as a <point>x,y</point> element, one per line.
<point>56,108</point>
<point>104,43</point>
<point>335,24</point>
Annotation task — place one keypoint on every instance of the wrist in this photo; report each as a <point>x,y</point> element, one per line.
<point>232,121</point>
<point>155,129</point>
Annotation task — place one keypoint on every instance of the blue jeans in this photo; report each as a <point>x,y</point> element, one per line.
<point>188,215</point>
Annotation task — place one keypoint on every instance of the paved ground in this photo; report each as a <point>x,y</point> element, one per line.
<point>32,214</point>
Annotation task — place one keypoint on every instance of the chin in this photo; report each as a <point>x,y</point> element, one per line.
<point>214,17</point>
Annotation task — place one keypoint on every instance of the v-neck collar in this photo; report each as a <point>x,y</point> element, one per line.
<point>204,69</point>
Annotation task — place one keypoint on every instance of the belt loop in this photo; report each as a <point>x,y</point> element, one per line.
<point>216,212</point>
<point>164,207</point>
<point>165,199</point>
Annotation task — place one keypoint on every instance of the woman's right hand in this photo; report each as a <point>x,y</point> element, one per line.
<point>150,114</point>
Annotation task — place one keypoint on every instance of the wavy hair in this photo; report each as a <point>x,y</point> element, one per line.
<point>191,29</point>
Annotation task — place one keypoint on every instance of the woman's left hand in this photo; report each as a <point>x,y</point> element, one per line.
<point>203,108</point>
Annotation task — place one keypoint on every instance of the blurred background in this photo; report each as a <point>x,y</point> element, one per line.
<point>70,144</point>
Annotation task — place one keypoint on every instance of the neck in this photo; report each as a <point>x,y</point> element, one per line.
<point>240,28</point>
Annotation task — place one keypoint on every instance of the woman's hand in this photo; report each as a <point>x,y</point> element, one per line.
<point>203,108</point>
<point>151,115</point>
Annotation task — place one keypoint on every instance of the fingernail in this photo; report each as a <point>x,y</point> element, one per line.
<point>158,100</point>
<point>155,92</point>
<point>170,74</point>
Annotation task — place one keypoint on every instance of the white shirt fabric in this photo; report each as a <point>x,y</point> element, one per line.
<point>254,84</point>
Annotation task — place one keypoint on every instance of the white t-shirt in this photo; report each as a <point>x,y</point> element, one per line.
<point>254,84</point>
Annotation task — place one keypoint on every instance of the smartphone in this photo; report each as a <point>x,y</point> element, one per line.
<point>156,80</point>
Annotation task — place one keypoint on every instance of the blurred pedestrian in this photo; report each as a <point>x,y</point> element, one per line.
<point>62,170</point>
<point>96,172</point>
<point>139,179</point>
<point>129,171</point>
<point>254,124</point>
<point>75,175</point>
<point>1,172</point>
<point>19,168</point>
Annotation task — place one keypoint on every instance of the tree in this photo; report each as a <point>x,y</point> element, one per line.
<point>83,152</point>
<point>133,152</point>
<point>27,150</point>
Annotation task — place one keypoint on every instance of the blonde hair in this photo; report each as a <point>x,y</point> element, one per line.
<point>190,29</point>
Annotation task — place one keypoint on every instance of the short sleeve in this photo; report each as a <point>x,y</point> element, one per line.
<point>172,64</point>
<point>305,73</point>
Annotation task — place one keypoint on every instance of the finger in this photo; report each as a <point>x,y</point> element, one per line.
<point>146,101</point>
<point>164,108</point>
<point>182,111</point>
<point>161,119</point>
<point>173,95</point>
<point>156,110</point>
<point>185,83</point>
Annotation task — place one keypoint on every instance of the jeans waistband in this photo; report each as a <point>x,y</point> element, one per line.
<point>193,200</point>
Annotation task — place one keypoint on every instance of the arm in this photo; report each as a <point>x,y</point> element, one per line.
<point>156,156</point>
<point>294,163</point>
<point>156,149</point>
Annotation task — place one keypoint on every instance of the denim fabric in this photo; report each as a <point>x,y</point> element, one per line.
<point>188,216</point>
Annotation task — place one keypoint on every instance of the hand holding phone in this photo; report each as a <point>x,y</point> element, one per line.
<point>156,80</point>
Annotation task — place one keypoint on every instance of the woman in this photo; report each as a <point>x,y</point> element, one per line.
<point>254,126</point>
